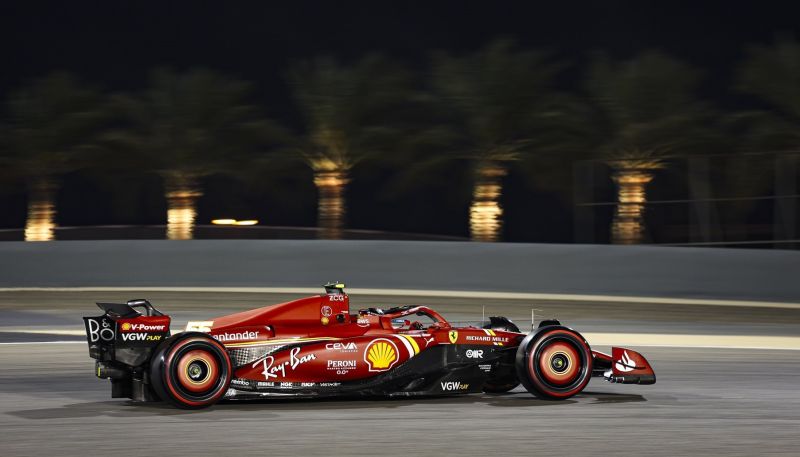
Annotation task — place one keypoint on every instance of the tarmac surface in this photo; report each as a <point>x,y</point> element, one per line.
<point>708,400</point>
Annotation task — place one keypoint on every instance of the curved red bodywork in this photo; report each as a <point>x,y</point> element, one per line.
<point>336,345</point>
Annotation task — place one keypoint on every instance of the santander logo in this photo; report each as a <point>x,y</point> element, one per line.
<point>625,364</point>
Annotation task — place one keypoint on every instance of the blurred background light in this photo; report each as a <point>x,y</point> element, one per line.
<point>181,214</point>
<point>234,222</point>
<point>40,225</point>
<point>485,220</point>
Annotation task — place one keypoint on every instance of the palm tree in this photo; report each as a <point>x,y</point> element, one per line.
<point>506,103</point>
<point>772,74</point>
<point>351,112</point>
<point>51,129</point>
<point>645,112</point>
<point>189,126</point>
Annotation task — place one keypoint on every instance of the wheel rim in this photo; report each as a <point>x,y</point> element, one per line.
<point>559,363</point>
<point>197,370</point>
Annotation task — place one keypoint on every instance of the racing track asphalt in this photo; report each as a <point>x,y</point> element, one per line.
<point>708,401</point>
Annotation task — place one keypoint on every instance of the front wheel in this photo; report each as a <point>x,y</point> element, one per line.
<point>191,370</point>
<point>554,362</point>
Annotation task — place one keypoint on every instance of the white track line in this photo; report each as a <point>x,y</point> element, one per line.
<point>44,331</point>
<point>428,293</point>
<point>20,343</point>
<point>693,341</point>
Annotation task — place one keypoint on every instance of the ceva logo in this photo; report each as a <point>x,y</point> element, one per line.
<point>343,347</point>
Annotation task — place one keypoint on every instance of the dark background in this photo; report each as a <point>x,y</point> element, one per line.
<point>114,46</point>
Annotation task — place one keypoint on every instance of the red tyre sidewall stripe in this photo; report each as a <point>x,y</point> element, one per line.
<point>532,372</point>
<point>171,387</point>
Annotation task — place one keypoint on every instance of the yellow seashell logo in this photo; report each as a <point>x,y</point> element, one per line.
<point>126,326</point>
<point>380,355</point>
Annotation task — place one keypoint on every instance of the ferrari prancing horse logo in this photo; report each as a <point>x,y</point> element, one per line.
<point>453,335</point>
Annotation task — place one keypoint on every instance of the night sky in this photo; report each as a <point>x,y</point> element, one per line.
<point>113,45</point>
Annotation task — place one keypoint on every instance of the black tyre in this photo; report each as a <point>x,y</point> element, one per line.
<point>554,362</point>
<point>191,370</point>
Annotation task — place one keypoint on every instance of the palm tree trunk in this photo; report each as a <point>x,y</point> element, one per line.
<point>485,212</point>
<point>628,224</point>
<point>41,210</point>
<point>331,206</point>
<point>182,195</point>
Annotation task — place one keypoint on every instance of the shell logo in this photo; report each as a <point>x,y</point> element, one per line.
<point>380,355</point>
<point>126,326</point>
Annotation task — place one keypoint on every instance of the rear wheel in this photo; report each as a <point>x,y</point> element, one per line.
<point>191,370</point>
<point>554,362</point>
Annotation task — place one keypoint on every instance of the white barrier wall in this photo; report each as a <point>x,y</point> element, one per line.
<point>740,274</point>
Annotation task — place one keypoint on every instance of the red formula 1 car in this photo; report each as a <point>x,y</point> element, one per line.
<point>314,347</point>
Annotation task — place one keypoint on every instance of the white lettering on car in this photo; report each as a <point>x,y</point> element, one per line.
<point>147,328</point>
<point>236,336</point>
<point>279,371</point>
<point>140,337</point>
<point>342,366</point>
<point>99,331</point>
<point>492,339</point>
<point>343,347</point>
<point>454,385</point>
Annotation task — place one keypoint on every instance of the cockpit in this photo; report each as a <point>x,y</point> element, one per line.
<point>405,318</point>
<point>395,319</point>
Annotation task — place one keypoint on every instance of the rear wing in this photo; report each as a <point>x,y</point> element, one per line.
<point>126,332</point>
<point>128,310</point>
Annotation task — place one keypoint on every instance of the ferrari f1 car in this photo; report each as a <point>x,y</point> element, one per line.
<point>314,347</point>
